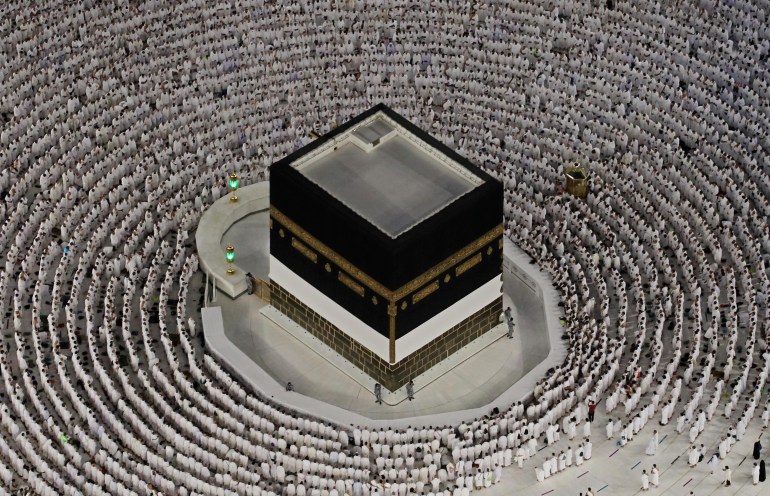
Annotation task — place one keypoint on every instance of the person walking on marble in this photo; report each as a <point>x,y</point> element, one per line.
<point>645,481</point>
<point>728,476</point>
<point>509,321</point>
<point>652,446</point>
<point>692,456</point>
<point>713,463</point>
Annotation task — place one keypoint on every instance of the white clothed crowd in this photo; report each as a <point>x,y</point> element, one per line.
<point>119,122</point>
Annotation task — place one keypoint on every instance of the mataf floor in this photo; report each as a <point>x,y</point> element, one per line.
<point>476,382</point>
<point>503,371</point>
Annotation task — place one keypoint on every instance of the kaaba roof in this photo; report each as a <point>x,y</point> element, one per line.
<point>385,172</point>
<point>385,196</point>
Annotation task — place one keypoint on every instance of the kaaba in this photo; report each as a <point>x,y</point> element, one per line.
<point>386,245</point>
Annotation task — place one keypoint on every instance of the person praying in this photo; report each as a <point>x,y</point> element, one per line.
<point>757,449</point>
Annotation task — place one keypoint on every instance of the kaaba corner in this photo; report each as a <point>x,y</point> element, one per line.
<point>386,245</point>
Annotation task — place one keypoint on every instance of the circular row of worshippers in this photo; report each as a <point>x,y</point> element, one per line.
<point>140,187</point>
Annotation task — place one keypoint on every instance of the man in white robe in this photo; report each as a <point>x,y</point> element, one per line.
<point>728,476</point>
<point>532,446</point>
<point>520,457</point>
<point>479,480</point>
<point>652,446</point>
<point>549,435</point>
<point>488,478</point>
<point>714,463</point>
<point>723,446</point>
<point>693,432</point>
<point>692,457</point>
<point>505,457</point>
<point>680,423</point>
<point>701,421</point>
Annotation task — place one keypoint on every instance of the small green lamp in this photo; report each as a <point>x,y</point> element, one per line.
<point>230,257</point>
<point>233,183</point>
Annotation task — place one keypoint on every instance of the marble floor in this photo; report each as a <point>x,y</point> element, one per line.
<point>476,382</point>
<point>250,237</point>
<point>487,378</point>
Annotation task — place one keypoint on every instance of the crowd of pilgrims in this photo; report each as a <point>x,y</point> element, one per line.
<point>120,121</point>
